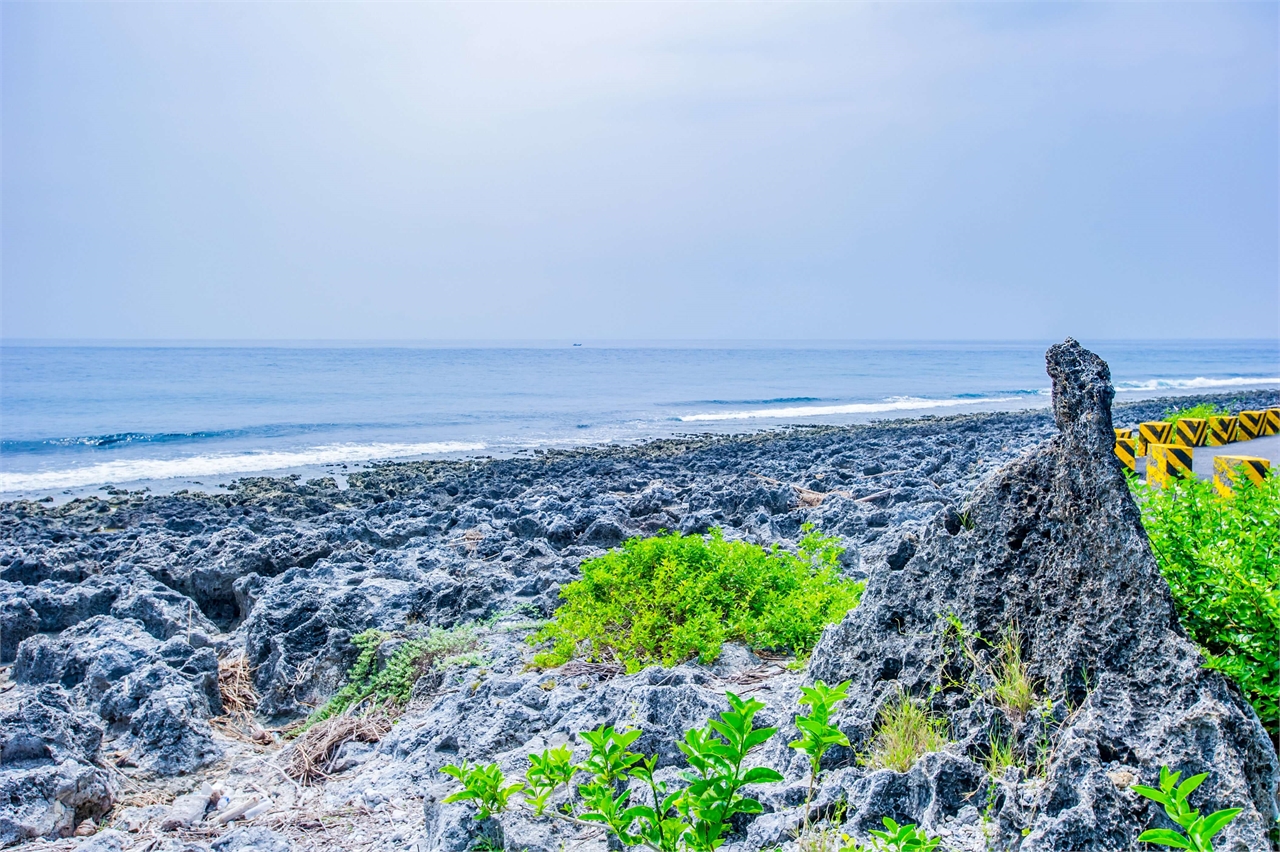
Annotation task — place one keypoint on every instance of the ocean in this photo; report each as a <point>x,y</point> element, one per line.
<point>79,418</point>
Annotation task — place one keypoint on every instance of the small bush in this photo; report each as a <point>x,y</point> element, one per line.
<point>905,730</point>
<point>393,683</point>
<point>672,597</point>
<point>1204,409</point>
<point>1221,556</point>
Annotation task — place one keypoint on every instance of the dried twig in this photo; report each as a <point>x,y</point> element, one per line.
<point>600,671</point>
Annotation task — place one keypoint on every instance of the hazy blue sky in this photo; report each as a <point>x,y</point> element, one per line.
<point>647,170</point>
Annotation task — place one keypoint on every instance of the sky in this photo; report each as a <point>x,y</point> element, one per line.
<point>597,171</point>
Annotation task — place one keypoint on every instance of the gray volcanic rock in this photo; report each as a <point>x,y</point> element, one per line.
<point>157,693</point>
<point>54,605</point>
<point>1053,543</point>
<point>47,781</point>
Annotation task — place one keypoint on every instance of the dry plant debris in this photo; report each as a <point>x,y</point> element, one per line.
<point>312,754</point>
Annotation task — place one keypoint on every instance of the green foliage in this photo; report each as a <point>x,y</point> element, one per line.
<point>671,597</point>
<point>903,838</point>
<point>905,730</point>
<point>1221,556</point>
<point>483,785</point>
<point>393,682</point>
<point>695,817</point>
<point>817,734</point>
<point>1199,830</point>
<point>716,753</point>
<point>1204,409</point>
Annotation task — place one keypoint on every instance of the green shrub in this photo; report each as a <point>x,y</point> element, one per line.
<point>1221,556</point>
<point>672,597</point>
<point>1204,409</point>
<point>393,683</point>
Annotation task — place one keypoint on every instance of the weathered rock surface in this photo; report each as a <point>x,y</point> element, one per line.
<point>156,695</point>
<point>48,783</point>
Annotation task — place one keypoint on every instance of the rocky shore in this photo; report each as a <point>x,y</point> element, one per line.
<point>117,611</point>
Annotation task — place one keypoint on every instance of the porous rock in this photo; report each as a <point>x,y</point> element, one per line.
<point>158,695</point>
<point>1053,544</point>
<point>48,783</point>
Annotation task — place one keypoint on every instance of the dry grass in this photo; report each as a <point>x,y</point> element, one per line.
<point>235,682</point>
<point>312,754</point>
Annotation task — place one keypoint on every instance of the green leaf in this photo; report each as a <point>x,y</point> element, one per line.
<point>1186,787</point>
<point>1164,837</point>
<point>1153,794</point>
<point>761,775</point>
<point>1217,821</point>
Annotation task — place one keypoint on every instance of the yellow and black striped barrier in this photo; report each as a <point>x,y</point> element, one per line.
<point>1250,425</point>
<point>1126,451</point>
<point>1190,431</point>
<point>1167,462</point>
<point>1273,421</point>
<point>1123,433</point>
<point>1222,430</point>
<point>1229,471</point>
<point>1153,432</point>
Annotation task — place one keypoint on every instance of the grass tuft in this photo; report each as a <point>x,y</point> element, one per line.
<point>1001,755</point>
<point>391,684</point>
<point>905,730</point>
<point>1014,690</point>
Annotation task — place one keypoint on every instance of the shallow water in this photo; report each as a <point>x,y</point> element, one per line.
<point>78,417</point>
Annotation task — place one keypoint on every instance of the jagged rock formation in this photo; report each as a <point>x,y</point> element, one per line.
<point>1053,543</point>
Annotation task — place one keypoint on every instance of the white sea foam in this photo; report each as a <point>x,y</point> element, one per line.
<point>1196,383</point>
<point>897,403</point>
<point>222,464</point>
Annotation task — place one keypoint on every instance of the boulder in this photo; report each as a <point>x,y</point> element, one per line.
<point>156,696</point>
<point>1052,544</point>
<point>48,783</point>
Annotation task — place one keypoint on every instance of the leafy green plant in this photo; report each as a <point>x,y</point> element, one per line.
<point>817,734</point>
<point>669,598</point>
<point>393,682</point>
<point>903,838</point>
<point>716,754</point>
<point>1199,830</point>
<point>695,817</point>
<point>1221,557</point>
<point>1204,409</point>
<point>484,785</point>
<point>905,730</point>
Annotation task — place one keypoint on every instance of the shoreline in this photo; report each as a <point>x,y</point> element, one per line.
<point>1136,409</point>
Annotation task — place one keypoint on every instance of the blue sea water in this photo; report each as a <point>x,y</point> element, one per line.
<point>74,418</point>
